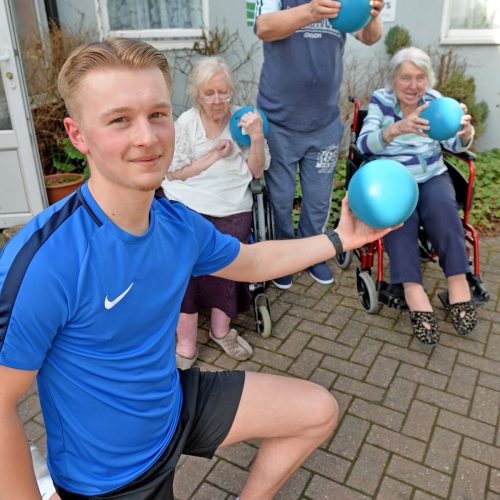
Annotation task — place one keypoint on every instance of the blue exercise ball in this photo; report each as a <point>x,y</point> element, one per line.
<point>237,133</point>
<point>444,115</point>
<point>383,193</point>
<point>353,15</point>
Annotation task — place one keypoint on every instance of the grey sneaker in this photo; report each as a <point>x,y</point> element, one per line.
<point>233,345</point>
<point>183,363</point>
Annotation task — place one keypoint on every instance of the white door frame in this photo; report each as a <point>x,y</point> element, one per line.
<point>21,139</point>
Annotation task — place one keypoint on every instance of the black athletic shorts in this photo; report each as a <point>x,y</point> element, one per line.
<point>210,401</point>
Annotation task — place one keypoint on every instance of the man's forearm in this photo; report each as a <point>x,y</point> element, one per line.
<point>283,23</point>
<point>371,33</point>
<point>270,259</point>
<point>17,478</point>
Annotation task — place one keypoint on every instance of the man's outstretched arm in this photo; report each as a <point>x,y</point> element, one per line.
<point>17,478</point>
<point>270,259</point>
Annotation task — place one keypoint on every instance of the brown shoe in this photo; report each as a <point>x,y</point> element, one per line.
<point>463,317</point>
<point>233,345</point>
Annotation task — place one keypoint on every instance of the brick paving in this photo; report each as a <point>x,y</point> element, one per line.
<point>416,423</point>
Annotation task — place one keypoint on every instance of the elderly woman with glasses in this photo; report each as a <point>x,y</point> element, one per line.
<point>211,174</point>
<point>394,129</point>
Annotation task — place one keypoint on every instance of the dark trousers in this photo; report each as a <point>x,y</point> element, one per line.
<point>209,405</point>
<point>437,212</point>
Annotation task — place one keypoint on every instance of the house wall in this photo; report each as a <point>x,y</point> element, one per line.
<point>422,19</point>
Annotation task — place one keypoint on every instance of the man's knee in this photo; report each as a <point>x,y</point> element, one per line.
<point>324,408</point>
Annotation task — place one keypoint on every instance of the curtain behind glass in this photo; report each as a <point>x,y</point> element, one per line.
<point>475,14</point>
<point>5,123</point>
<point>154,14</point>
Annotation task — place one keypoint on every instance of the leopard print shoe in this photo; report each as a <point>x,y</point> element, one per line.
<point>463,317</point>
<point>420,322</point>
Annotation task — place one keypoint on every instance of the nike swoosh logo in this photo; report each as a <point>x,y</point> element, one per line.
<point>109,304</point>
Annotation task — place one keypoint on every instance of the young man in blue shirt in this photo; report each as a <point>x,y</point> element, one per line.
<point>90,292</point>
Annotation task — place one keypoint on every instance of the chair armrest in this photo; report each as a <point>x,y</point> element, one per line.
<point>464,155</point>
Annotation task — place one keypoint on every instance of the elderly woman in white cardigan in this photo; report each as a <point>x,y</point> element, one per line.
<point>211,174</point>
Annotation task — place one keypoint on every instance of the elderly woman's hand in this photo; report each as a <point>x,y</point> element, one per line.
<point>252,123</point>
<point>223,148</point>
<point>411,124</point>
<point>466,133</point>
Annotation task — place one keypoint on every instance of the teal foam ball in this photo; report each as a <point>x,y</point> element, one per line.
<point>353,16</point>
<point>382,193</point>
<point>237,134</point>
<point>444,115</point>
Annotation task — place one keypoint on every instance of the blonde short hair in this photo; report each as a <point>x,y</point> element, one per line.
<point>111,53</point>
<point>203,70</point>
<point>417,57</point>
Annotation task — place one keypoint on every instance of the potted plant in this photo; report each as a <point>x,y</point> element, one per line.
<point>64,167</point>
<point>70,171</point>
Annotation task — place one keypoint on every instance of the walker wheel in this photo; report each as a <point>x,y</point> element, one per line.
<point>344,259</point>
<point>264,324</point>
<point>367,292</point>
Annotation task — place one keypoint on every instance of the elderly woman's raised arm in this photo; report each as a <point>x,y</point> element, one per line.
<point>465,136</point>
<point>380,129</point>
<point>183,165</point>
<point>258,158</point>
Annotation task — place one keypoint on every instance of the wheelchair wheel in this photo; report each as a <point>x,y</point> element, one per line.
<point>264,325</point>
<point>367,292</point>
<point>344,259</point>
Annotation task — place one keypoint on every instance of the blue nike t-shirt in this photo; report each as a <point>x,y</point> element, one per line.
<point>95,309</point>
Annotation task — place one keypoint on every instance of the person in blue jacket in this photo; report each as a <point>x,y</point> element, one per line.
<point>90,294</point>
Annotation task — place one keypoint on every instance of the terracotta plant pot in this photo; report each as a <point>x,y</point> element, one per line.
<point>59,186</point>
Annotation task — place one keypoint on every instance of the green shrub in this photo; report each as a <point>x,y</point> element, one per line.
<point>484,215</point>
<point>397,38</point>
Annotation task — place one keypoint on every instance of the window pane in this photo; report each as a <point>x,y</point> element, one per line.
<point>154,14</point>
<point>475,14</point>
<point>4,110</point>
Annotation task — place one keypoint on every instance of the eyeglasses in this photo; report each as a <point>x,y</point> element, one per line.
<point>217,96</point>
<point>409,79</point>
